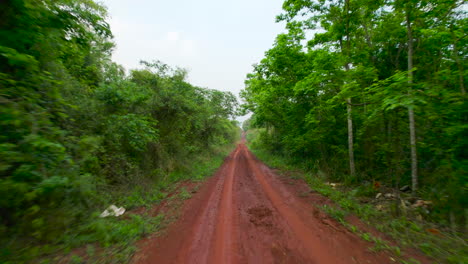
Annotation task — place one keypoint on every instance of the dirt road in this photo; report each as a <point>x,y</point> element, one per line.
<point>247,214</point>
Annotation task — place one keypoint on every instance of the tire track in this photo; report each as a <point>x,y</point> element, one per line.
<point>244,214</point>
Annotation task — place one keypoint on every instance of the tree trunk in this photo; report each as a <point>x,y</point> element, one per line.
<point>412,125</point>
<point>414,157</point>
<point>459,65</point>
<point>349,109</point>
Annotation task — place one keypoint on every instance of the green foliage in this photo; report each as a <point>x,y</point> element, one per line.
<point>184,194</point>
<point>109,231</point>
<point>444,247</point>
<point>79,134</point>
<point>131,132</point>
<point>353,55</point>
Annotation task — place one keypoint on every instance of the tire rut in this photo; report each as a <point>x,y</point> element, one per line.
<point>245,214</point>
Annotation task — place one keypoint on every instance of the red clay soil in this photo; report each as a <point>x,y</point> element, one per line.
<point>246,214</point>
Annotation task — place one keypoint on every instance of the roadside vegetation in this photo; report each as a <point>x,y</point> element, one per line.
<point>402,226</point>
<point>371,96</point>
<point>79,133</point>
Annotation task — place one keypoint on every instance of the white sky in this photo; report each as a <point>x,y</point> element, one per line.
<point>216,40</point>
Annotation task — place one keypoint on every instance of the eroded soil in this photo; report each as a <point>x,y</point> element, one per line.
<point>247,214</point>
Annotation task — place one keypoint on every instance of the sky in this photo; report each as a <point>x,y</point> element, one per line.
<point>217,41</point>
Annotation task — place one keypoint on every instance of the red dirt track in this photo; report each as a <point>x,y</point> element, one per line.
<point>247,214</point>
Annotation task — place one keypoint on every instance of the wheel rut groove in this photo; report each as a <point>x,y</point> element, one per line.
<point>246,214</point>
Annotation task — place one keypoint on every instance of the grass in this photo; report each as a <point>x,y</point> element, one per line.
<point>184,194</point>
<point>112,239</point>
<point>107,240</point>
<point>444,247</point>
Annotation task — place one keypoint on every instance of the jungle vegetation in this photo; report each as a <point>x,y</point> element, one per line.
<point>370,92</point>
<point>78,131</point>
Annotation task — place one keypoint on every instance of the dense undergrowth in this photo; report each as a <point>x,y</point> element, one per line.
<point>79,133</point>
<point>403,224</point>
<point>371,91</point>
<point>371,95</point>
<point>112,239</point>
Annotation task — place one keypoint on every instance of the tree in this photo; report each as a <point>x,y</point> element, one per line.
<point>380,66</point>
<point>77,131</point>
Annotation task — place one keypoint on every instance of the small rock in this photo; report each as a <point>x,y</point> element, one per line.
<point>389,195</point>
<point>378,196</point>
<point>405,188</point>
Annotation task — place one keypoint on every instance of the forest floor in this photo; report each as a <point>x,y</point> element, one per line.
<point>246,213</point>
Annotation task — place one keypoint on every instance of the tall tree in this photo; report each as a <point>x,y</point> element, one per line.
<point>340,22</point>
<point>394,71</point>
<point>412,125</point>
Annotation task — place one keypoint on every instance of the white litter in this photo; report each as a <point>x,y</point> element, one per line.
<point>113,211</point>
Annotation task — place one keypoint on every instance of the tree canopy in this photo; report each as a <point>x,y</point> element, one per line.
<point>75,127</point>
<point>379,85</point>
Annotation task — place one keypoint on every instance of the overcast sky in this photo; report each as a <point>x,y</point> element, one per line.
<point>216,40</point>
